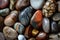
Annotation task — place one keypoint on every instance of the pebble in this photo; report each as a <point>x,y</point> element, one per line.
<point>4,12</point>
<point>21,4</point>
<point>56,17</point>
<point>36,19</point>
<point>19,27</point>
<point>4,3</point>
<point>32,39</point>
<point>37,4</point>
<point>41,36</point>
<point>46,25</point>
<point>58,6</point>
<point>54,27</point>
<point>49,8</point>
<point>9,33</point>
<point>21,37</point>
<point>11,19</point>
<point>25,15</point>
<point>2,36</point>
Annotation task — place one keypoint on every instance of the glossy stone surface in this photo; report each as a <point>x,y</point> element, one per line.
<point>32,39</point>
<point>19,27</point>
<point>49,8</point>
<point>35,32</point>
<point>36,19</point>
<point>58,6</point>
<point>41,36</point>
<point>53,37</point>
<point>3,3</point>
<point>21,4</point>
<point>46,25</point>
<point>54,27</point>
<point>38,2</point>
<point>4,12</point>
<point>21,37</point>
<point>11,19</point>
<point>25,15</point>
<point>2,36</point>
<point>56,17</point>
<point>9,33</point>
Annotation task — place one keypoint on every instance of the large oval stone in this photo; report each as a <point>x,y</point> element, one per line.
<point>36,19</point>
<point>19,27</point>
<point>9,33</point>
<point>54,27</point>
<point>37,4</point>
<point>56,17</point>
<point>46,25</point>
<point>21,4</point>
<point>49,8</point>
<point>25,15</point>
<point>4,3</point>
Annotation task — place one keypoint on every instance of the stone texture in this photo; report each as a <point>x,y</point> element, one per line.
<point>36,19</point>
<point>46,25</point>
<point>49,8</point>
<point>19,27</point>
<point>25,15</point>
<point>21,4</point>
<point>37,4</point>
<point>11,19</point>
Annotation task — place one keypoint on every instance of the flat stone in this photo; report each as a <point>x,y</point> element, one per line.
<point>37,4</point>
<point>21,37</point>
<point>9,33</point>
<point>49,8</point>
<point>56,17</point>
<point>21,4</point>
<point>46,25</point>
<point>19,27</point>
<point>25,15</point>
<point>36,19</point>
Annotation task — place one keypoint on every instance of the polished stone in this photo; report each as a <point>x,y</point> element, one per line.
<point>46,25</point>
<point>37,4</point>
<point>19,27</point>
<point>25,15</point>
<point>36,19</point>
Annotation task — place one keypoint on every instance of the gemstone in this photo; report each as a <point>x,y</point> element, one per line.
<point>38,2</point>
<point>19,27</point>
<point>36,19</point>
<point>4,3</point>
<point>11,19</point>
<point>54,27</point>
<point>56,17</point>
<point>21,37</point>
<point>32,39</point>
<point>46,25</point>
<point>58,6</point>
<point>41,36</point>
<point>4,12</point>
<point>9,33</point>
<point>21,4</point>
<point>25,15</point>
<point>49,8</point>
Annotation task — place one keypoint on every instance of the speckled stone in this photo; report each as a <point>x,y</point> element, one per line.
<point>3,3</point>
<point>21,37</point>
<point>32,39</point>
<point>9,33</point>
<point>21,4</point>
<point>41,36</point>
<point>56,17</point>
<point>49,8</point>
<point>2,36</point>
<point>58,5</point>
<point>11,19</point>
<point>46,25</point>
<point>19,27</point>
<point>53,37</point>
<point>36,19</point>
<point>37,4</point>
<point>4,12</point>
<point>54,27</point>
<point>25,15</point>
